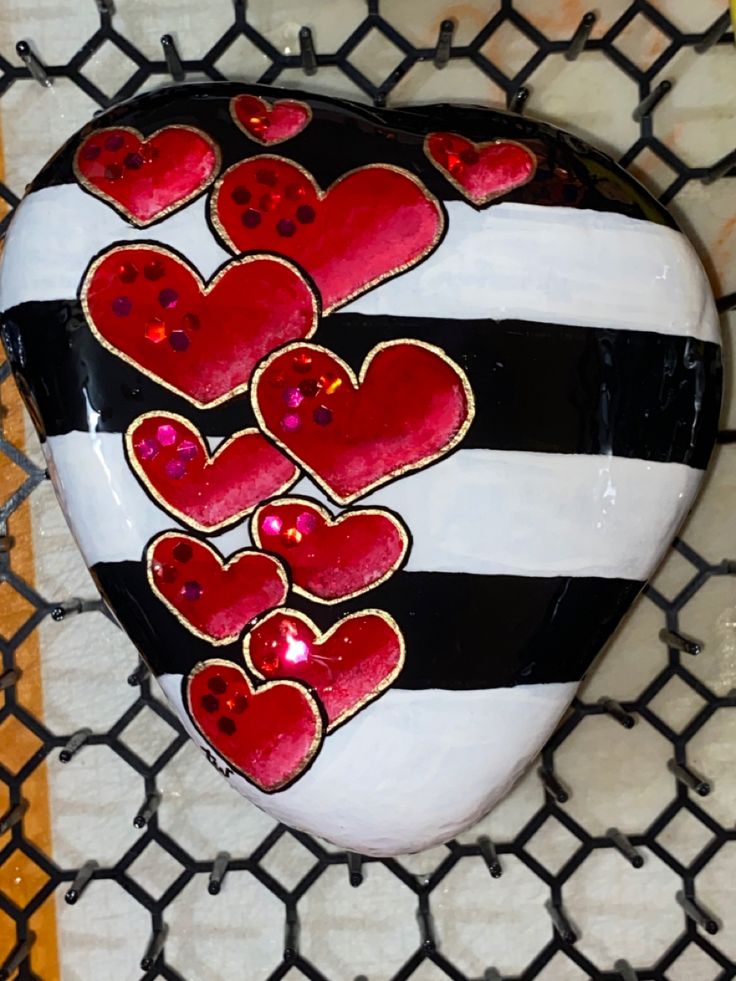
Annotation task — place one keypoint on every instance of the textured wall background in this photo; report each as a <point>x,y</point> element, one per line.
<point>542,888</point>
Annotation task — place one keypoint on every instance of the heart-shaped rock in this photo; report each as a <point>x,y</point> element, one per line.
<point>347,667</point>
<point>213,598</point>
<point>515,368</point>
<point>148,306</point>
<point>269,734</point>
<point>268,204</point>
<point>147,179</point>
<point>410,406</point>
<point>205,490</point>
<point>269,122</point>
<point>481,171</point>
<point>331,559</point>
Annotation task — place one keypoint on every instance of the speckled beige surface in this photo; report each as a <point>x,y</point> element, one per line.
<point>617,777</point>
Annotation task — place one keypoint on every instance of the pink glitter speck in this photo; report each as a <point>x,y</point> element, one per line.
<point>271,525</point>
<point>291,422</point>
<point>306,523</point>
<point>293,397</point>
<point>166,435</point>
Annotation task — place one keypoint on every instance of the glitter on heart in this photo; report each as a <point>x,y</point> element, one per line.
<point>207,491</point>
<point>213,598</point>
<point>373,223</point>
<point>269,122</point>
<point>146,179</point>
<point>331,559</point>
<point>148,306</point>
<point>410,406</point>
<point>347,667</point>
<point>269,734</point>
<point>482,172</point>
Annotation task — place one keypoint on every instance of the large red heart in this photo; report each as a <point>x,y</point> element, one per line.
<point>347,667</point>
<point>213,598</point>
<point>372,223</point>
<point>268,734</point>
<point>269,122</point>
<point>481,171</point>
<point>410,406</point>
<point>207,491</point>
<point>149,307</point>
<point>146,179</point>
<point>331,559</point>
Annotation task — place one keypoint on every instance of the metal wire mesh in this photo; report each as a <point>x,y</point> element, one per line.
<point>698,924</point>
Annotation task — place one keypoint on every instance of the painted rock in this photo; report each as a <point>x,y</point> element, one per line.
<point>370,426</point>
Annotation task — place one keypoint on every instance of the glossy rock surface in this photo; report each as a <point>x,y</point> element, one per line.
<point>471,327</point>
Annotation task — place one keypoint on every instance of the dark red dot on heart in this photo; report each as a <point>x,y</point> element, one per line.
<point>121,306</point>
<point>133,161</point>
<point>302,363</point>
<point>295,192</point>
<point>209,703</point>
<point>127,272</point>
<point>322,415</point>
<point>267,177</point>
<point>469,156</point>
<point>91,152</point>
<point>168,298</point>
<point>153,270</point>
<point>165,572</point>
<point>217,685</point>
<point>285,227</point>
<point>178,340</point>
<point>240,194</point>
<point>309,387</point>
<point>226,725</point>
<point>113,172</point>
<point>251,218</point>
<point>239,704</point>
<point>181,552</point>
<point>114,142</point>
<point>305,214</point>
<point>191,590</point>
<point>190,321</point>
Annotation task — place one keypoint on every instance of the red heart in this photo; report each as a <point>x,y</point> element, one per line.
<point>331,559</point>
<point>410,406</point>
<point>269,122</point>
<point>213,598</point>
<point>481,171</point>
<point>269,734</point>
<point>148,306</point>
<point>347,667</point>
<point>372,223</point>
<point>205,490</point>
<point>146,179</point>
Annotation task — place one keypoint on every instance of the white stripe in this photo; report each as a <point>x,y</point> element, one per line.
<point>490,512</point>
<point>414,768</point>
<point>57,231</point>
<point>558,265</point>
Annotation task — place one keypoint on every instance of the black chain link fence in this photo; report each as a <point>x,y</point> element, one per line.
<point>699,925</point>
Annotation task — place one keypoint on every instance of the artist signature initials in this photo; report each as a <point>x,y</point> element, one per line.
<point>225,771</point>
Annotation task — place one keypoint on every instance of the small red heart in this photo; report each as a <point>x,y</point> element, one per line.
<point>371,224</point>
<point>269,734</point>
<point>148,306</point>
<point>146,179</point>
<point>410,406</point>
<point>347,667</point>
<point>269,122</point>
<point>481,171</point>
<point>207,491</point>
<point>331,559</point>
<point>213,598</point>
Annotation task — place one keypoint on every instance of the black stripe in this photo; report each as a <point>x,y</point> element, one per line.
<point>343,136</point>
<point>538,387</point>
<point>461,631</point>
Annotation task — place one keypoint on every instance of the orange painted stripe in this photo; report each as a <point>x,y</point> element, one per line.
<point>20,879</point>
